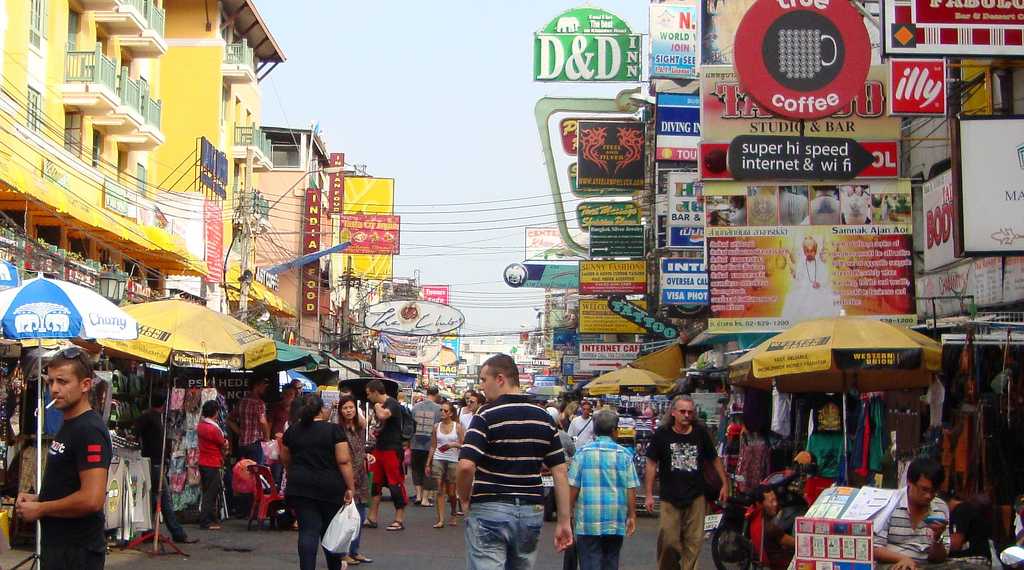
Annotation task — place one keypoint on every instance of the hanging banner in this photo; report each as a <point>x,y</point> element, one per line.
<point>213,223</point>
<point>371,234</point>
<point>675,40</point>
<point>537,275</point>
<point>596,317</point>
<point>616,241</point>
<point>992,176</point>
<point>613,277</point>
<point>610,155</point>
<point>435,293</point>
<point>607,214</point>
<point>939,220</point>
<point>678,125</point>
<point>311,226</point>
<point>779,255</point>
<point>336,185</point>
<point>586,44</point>
<point>684,282</point>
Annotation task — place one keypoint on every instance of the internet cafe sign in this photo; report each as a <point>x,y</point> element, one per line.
<point>586,44</point>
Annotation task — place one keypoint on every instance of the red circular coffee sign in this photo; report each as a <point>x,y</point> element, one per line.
<point>802,59</point>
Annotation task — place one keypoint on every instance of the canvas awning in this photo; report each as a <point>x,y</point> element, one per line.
<point>667,362</point>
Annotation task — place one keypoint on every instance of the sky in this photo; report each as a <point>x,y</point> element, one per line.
<point>440,97</point>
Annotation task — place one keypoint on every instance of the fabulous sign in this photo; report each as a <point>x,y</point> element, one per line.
<point>586,44</point>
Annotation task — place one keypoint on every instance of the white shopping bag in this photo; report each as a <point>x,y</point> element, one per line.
<point>344,528</point>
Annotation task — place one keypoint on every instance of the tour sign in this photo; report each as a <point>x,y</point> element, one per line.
<point>753,157</point>
<point>802,59</point>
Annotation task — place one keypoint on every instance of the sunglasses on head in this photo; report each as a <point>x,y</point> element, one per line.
<point>71,353</point>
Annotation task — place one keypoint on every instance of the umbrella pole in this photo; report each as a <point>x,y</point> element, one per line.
<point>40,414</point>
<point>846,452</point>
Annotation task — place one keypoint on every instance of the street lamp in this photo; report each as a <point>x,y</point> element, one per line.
<point>112,285</point>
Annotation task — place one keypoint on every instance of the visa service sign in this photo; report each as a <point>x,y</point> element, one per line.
<point>586,44</point>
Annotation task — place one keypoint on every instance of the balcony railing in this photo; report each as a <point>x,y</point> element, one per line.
<point>239,54</point>
<point>90,67</point>
<point>135,94</point>
<point>156,17</point>
<point>253,136</point>
<point>151,111</point>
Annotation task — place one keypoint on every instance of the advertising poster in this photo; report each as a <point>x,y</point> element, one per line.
<point>366,195</point>
<point>992,185</point>
<point>542,276</point>
<point>616,241</point>
<point>435,293</point>
<point>214,225</point>
<point>610,155</point>
<point>371,234</point>
<point>1013,279</point>
<point>719,22</point>
<point>678,126</point>
<point>782,254</point>
<point>675,40</point>
<point>597,317</point>
<point>684,282</point>
<point>613,278</point>
<point>685,210</point>
<point>545,244</point>
<point>948,28</point>
<point>981,279</point>
<point>939,220</point>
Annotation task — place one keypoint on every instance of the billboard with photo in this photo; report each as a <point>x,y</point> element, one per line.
<point>779,254</point>
<point>991,194</point>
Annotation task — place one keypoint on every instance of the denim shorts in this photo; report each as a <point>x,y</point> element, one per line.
<point>502,536</point>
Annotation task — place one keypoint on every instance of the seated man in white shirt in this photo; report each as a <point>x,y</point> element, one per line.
<point>910,531</point>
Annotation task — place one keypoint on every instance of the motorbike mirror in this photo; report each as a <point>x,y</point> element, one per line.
<point>1012,557</point>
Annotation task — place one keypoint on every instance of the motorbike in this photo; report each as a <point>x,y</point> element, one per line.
<point>731,544</point>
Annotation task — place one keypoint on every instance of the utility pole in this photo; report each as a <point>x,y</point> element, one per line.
<point>245,245</point>
<point>345,329</point>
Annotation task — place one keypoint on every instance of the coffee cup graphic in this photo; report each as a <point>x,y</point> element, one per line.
<point>803,51</point>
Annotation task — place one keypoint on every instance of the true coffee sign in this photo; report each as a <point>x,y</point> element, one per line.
<point>802,59</point>
<point>586,44</point>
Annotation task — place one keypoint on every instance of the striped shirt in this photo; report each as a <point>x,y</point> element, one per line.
<point>510,440</point>
<point>894,531</point>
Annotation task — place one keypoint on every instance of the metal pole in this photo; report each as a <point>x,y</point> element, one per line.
<point>346,334</point>
<point>246,229</point>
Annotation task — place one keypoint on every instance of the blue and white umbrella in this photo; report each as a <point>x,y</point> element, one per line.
<point>9,276</point>
<point>50,309</point>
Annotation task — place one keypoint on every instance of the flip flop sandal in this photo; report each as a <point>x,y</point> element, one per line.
<point>453,522</point>
<point>395,526</point>
<point>370,524</point>
<point>438,525</point>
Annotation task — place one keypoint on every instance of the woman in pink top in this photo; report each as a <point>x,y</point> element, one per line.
<point>212,445</point>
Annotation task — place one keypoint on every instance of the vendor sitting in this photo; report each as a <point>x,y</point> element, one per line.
<point>910,530</point>
<point>772,532</point>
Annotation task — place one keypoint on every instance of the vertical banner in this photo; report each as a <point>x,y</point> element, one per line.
<point>336,185</point>
<point>311,244</point>
<point>214,229</point>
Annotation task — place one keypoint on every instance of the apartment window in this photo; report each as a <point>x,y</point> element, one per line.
<point>73,133</point>
<point>73,20</point>
<point>140,178</point>
<point>37,22</point>
<point>34,115</point>
<point>97,148</point>
<point>284,155</point>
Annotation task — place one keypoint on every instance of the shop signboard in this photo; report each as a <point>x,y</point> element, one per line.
<point>371,234</point>
<point>413,318</point>
<point>544,276</point>
<point>952,28</point>
<point>586,44</point>
<point>939,220</point>
<point>598,367</point>
<point>213,168</point>
<point>213,225</point>
<point>727,111</point>
<point>613,277</point>
<point>681,225</point>
<point>616,241</point>
<point>677,134</point>
<point>367,195</point>
<point>120,199</point>
<point>435,293</point>
<point>311,227</point>
<point>991,186</point>
<point>565,341</point>
<point>637,313</point>
<point>917,87</point>
<point>802,60</point>
<point>1013,279</point>
<point>760,157</point>
<point>979,281</point>
<point>675,39</point>
<point>609,350</point>
<point>590,214</point>
<point>610,154</point>
<point>336,185</point>
<point>545,244</point>
<point>597,317</point>
<point>684,282</point>
<point>781,254</point>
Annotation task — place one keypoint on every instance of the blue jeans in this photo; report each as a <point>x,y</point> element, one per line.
<point>353,549</point>
<point>503,536</point>
<point>598,552</point>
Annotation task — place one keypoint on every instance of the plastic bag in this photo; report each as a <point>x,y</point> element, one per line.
<point>344,528</point>
<point>271,451</point>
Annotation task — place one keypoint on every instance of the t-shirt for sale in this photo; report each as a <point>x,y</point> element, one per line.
<point>969,520</point>
<point>426,413</point>
<point>390,435</point>
<point>82,443</point>
<point>314,470</point>
<point>680,459</point>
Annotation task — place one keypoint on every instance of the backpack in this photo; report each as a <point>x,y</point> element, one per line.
<point>408,424</point>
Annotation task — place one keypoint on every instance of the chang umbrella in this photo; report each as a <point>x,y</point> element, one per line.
<point>188,335</point>
<point>632,379</point>
<point>47,309</point>
<point>831,355</point>
<point>8,275</point>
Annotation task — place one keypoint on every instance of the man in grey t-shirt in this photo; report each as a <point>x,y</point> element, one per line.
<point>426,413</point>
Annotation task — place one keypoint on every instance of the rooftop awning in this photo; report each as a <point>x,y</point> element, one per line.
<point>257,292</point>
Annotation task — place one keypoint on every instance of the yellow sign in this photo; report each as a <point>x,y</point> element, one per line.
<point>613,277</point>
<point>596,317</point>
<point>365,195</point>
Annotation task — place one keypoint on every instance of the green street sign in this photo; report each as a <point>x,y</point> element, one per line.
<point>616,241</point>
<point>586,44</point>
<point>590,214</point>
